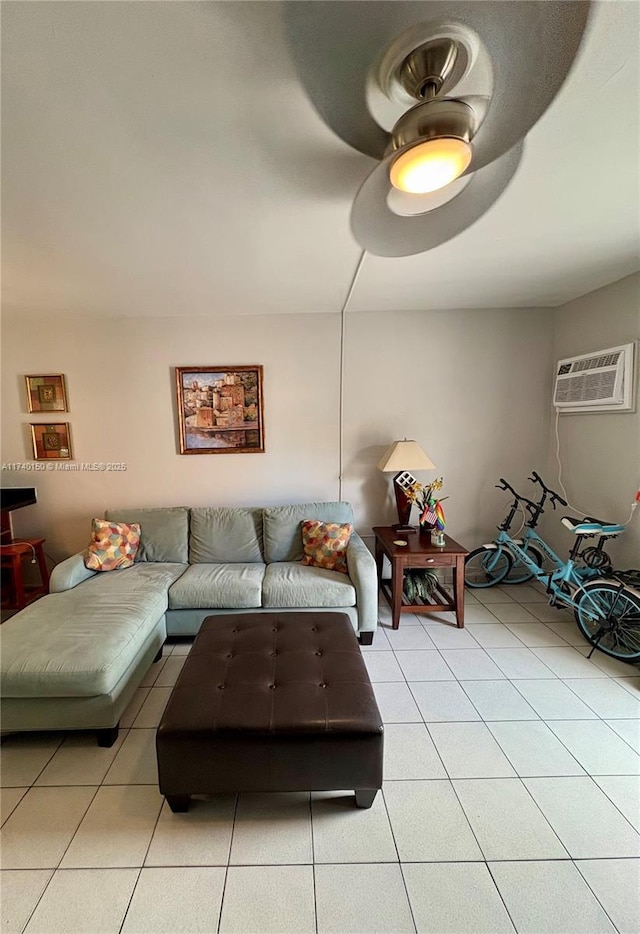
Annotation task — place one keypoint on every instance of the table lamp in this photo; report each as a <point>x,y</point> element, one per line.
<point>402,457</point>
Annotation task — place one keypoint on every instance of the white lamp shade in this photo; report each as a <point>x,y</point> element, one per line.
<point>404,455</point>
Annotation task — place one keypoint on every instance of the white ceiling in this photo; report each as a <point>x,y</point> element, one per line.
<point>162,159</point>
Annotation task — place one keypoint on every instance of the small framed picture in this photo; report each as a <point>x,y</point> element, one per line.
<point>220,409</point>
<point>51,442</point>
<point>46,393</point>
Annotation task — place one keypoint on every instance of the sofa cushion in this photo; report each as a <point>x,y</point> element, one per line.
<point>218,585</point>
<point>325,544</point>
<point>292,584</point>
<point>113,545</point>
<point>81,642</point>
<point>282,527</point>
<point>164,532</point>
<point>225,535</point>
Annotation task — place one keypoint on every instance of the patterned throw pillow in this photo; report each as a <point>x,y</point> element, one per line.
<point>113,545</point>
<point>325,544</point>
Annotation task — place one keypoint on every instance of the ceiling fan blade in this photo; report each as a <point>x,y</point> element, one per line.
<point>531,44</point>
<point>382,232</point>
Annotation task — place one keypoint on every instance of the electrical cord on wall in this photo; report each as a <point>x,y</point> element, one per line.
<point>354,279</point>
<point>583,512</point>
<point>33,551</point>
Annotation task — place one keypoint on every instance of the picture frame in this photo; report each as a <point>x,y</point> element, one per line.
<point>220,409</point>
<point>51,441</point>
<point>46,393</point>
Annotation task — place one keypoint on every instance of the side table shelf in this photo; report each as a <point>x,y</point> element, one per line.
<point>12,557</point>
<point>419,553</point>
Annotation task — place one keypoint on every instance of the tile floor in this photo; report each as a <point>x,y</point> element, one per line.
<point>511,802</point>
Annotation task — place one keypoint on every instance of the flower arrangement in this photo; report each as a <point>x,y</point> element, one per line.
<point>430,506</point>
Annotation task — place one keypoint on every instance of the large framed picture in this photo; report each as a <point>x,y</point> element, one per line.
<point>46,393</point>
<point>220,409</point>
<point>51,442</point>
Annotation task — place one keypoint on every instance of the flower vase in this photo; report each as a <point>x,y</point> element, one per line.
<point>437,538</point>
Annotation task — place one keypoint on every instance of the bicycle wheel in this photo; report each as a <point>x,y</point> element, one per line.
<point>486,566</point>
<point>520,573</point>
<point>610,619</point>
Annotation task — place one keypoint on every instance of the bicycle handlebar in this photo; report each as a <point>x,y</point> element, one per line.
<point>503,485</point>
<point>553,496</point>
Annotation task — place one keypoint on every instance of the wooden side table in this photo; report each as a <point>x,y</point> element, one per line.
<point>12,557</point>
<point>419,553</point>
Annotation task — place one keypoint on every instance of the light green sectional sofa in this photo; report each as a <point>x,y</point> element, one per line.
<point>74,659</point>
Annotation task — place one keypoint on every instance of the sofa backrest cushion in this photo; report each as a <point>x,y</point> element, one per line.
<point>282,527</point>
<point>225,535</point>
<point>163,532</point>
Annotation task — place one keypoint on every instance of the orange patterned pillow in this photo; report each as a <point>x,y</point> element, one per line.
<point>113,545</point>
<point>325,544</point>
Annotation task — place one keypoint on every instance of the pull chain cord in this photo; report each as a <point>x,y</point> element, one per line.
<point>354,279</point>
<point>564,492</point>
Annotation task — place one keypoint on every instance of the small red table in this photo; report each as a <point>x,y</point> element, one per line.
<point>419,553</point>
<point>12,557</point>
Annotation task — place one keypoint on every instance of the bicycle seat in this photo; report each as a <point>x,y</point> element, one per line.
<point>591,526</point>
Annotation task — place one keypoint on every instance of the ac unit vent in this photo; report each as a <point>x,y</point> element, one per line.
<point>596,382</point>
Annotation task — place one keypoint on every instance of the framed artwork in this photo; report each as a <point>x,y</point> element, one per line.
<point>46,393</point>
<point>220,409</point>
<point>51,442</point>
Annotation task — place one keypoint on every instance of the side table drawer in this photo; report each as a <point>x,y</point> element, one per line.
<point>432,561</point>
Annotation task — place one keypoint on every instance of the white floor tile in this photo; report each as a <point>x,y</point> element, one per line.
<point>380,642</point>
<point>491,596</point>
<point>382,666</point>
<point>41,827</point>
<point>450,898</point>
<point>512,613</point>
<point>439,620</point>
<point>21,889</point>
<point>519,663</point>
<point>468,750</point>
<point>9,798</point>
<point>154,670</point>
<point>344,833</point>
<point>182,648</point>
<point>409,638</point>
<point>117,828</point>
<point>409,752</point>
<point>498,700</point>
<point>597,747</point>
<point>553,700</point>
<point>471,664</point>
<point>80,901</point>
<point>525,593</point>
<point>550,897</point>
<point>588,824</point>
<point>24,756</point>
<point>170,671</point>
<point>632,685</point>
<point>396,703</point>
<point>629,730</point>
<point>606,697</point>
<point>153,708</point>
<point>369,898</point>
<point>80,761</point>
<point>442,701</point>
<point>160,905</point>
<point>548,614</point>
<point>281,900</point>
<point>135,763</point>
<point>624,791</point>
<point>506,821</point>
<point>450,637</point>
<point>478,614</point>
<point>535,635</point>
<point>424,666</point>
<point>133,707</point>
<point>568,663</point>
<point>428,822</point>
<point>567,630</point>
<point>612,666</point>
<point>199,837</point>
<point>272,829</point>
<point>533,749</point>
<point>614,882</point>
<point>494,635</point>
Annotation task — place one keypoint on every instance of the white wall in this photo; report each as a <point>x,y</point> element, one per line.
<point>600,452</point>
<point>470,386</point>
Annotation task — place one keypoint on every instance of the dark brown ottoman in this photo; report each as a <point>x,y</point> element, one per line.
<point>271,702</point>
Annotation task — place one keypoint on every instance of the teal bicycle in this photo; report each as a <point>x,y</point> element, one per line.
<point>606,608</point>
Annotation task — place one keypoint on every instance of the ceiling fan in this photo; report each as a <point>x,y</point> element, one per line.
<point>441,92</point>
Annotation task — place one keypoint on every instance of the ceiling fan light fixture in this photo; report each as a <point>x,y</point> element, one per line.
<point>429,165</point>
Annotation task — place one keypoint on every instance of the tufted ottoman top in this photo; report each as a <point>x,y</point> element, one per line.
<point>274,673</point>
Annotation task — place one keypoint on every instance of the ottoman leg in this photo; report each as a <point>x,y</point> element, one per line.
<point>107,738</point>
<point>365,797</point>
<point>178,803</point>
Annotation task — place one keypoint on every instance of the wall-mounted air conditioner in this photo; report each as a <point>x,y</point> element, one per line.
<point>601,381</point>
